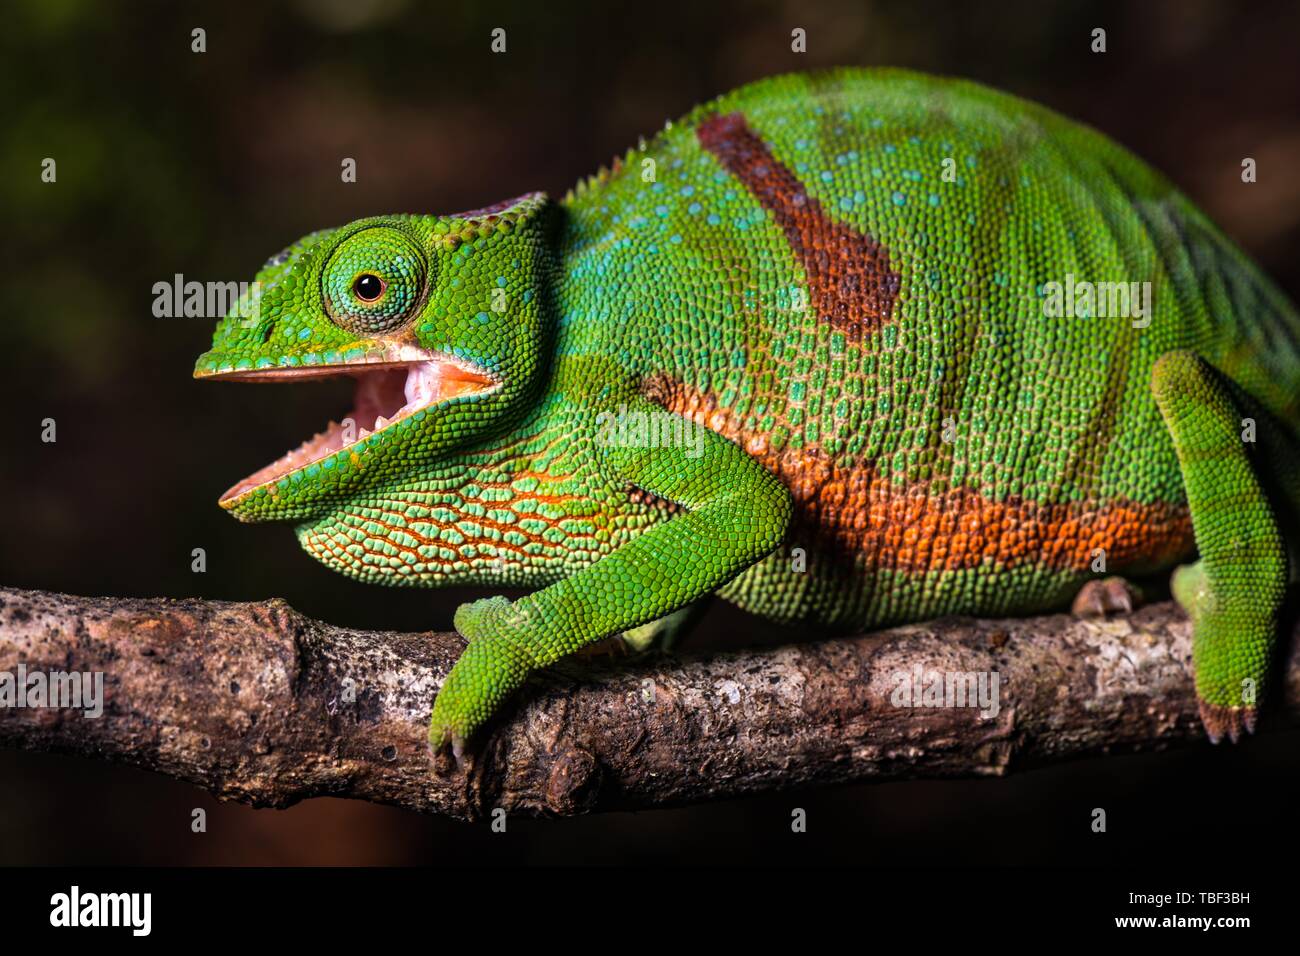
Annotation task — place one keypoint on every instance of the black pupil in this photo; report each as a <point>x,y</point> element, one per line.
<point>368,287</point>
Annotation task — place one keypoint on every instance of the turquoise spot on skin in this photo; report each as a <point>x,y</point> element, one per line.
<point>898,198</point>
<point>501,282</point>
<point>694,208</point>
<point>481,318</point>
<point>304,334</point>
<point>713,219</point>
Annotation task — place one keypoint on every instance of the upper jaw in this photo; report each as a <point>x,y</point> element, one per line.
<point>215,364</point>
<point>392,385</point>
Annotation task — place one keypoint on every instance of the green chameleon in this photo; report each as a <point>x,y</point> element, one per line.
<point>848,349</point>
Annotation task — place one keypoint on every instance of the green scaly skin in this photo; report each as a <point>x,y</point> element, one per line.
<point>834,287</point>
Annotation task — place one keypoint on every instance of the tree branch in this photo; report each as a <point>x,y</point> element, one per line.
<point>255,702</point>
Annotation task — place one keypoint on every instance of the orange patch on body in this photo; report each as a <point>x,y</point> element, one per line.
<point>850,280</point>
<point>853,510</point>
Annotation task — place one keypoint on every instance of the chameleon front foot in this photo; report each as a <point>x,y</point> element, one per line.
<point>1101,598</point>
<point>492,668</point>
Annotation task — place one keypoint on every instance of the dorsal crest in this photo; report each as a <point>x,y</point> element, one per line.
<point>504,216</point>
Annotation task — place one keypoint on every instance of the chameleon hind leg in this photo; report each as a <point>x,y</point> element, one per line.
<point>1234,593</point>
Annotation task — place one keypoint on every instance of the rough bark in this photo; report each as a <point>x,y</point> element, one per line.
<point>255,702</point>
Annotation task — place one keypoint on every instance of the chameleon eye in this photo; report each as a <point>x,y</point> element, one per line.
<point>374,281</point>
<point>368,287</point>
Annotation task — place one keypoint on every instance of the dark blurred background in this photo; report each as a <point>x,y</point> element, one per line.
<point>205,164</point>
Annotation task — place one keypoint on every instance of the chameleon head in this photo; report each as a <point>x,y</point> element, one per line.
<point>437,318</point>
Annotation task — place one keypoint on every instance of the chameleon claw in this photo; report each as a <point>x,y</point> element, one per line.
<point>446,751</point>
<point>1104,597</point>
<point>1231,722</point>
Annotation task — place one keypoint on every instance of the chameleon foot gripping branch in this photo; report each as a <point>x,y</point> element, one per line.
<point>849,349</point>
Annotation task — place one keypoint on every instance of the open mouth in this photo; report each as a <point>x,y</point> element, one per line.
<point>387,393</point>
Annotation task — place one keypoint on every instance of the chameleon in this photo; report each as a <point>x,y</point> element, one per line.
<point>846,349</point>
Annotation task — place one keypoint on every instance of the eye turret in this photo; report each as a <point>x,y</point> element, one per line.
<point>375,281</point>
